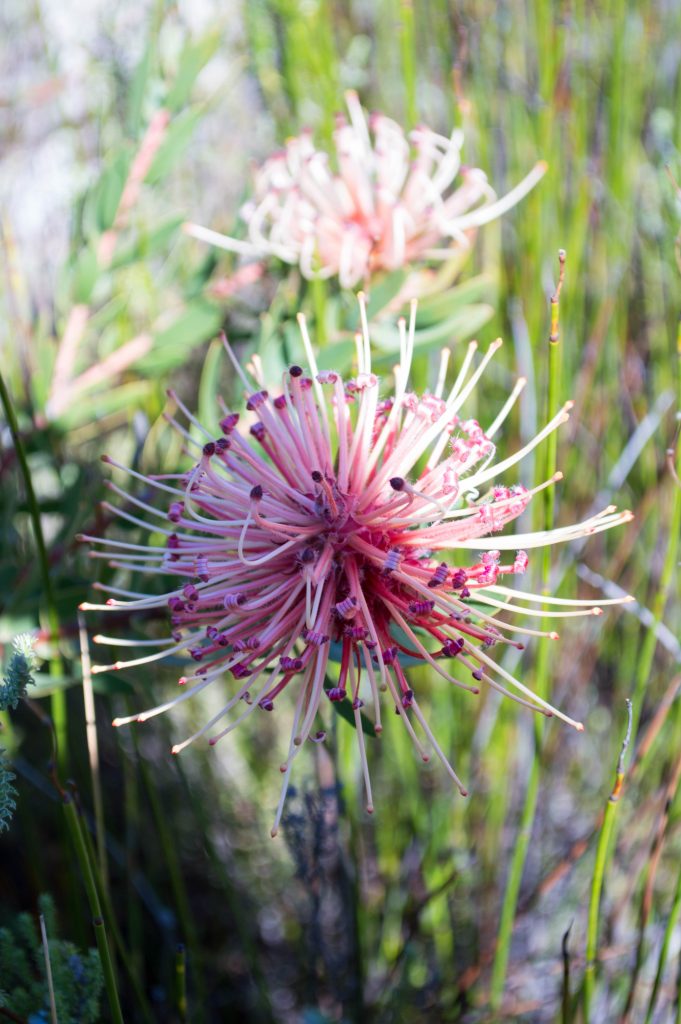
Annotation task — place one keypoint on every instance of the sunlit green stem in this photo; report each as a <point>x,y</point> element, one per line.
<point>604,838</point>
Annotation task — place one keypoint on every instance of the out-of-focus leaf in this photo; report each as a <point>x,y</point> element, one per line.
<point>209,387</point>
<point>384,291</point>
<point>85,270</point>
<point>103,682</point>
<point>148,243</point>
<point>108,191</point>
<point>96,405</point>
<point>337,356</point>
<point>193,59</point>
<point>436,308</point>
<point>176,141</point>
<point>43,364</point>
<point>459,327</point>
<point>136,92</point>
<point>199,321</point>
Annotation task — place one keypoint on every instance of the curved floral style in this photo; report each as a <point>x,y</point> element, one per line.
<point>380,202</point>
<point>310,550</point>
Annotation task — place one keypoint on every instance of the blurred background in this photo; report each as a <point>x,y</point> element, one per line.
<point>528,900</point>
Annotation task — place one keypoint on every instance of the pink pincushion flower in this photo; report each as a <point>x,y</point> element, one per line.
<point>311,527</point>
<point>380,202</point>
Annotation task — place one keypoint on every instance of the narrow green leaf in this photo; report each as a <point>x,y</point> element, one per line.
<point>209,387</point>
<point>195,325</point>
<point>459,327</point>
<point>85,272</point>
<point>137,91</point>
<point>108,191</point>
<point>177,140</point>
<point>193,59</point>
<point>149,243</point>
<point>435,308</point>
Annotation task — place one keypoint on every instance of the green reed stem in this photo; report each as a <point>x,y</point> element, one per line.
<point>672,922</point>
<point>408,52</point>
<point>669,568</point>
<point>319,290</point>
<point>112,926</point>
<point>519,856</point>
<point>602,849</point>
<point>87,868</point>
<point>58,700</point>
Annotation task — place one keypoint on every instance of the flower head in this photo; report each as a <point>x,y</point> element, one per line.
<point>381,201</point>
<point>331,537</point>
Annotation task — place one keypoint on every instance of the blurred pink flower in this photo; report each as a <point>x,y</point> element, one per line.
<point>310,550</point>
<point>380,202</point>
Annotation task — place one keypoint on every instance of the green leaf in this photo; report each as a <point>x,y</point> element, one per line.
<point>459,327</point>
<point>435,308</point>
<point>108,191</point>
<point>177,139</point>
<point>337,356</point>
<point>193,59</point>
<point>384,290</point>
<point>149,243</point>
<point>196,324</point>
<point>93,407</point>
<point>137,91</point>
<point>85,272</point>
<point>209,387</point>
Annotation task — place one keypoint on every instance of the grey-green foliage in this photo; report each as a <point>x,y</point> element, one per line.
<point>19,673</point>
<point>13,687</point>
<point>8,793</point>
<point>77,976</point>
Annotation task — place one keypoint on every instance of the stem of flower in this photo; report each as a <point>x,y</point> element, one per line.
<point>58,700</point>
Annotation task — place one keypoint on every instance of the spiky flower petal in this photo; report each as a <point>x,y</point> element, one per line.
<point>379,202</point>
<point>310,546</point>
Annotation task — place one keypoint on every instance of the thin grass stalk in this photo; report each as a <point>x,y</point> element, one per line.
<point>319,293</point>
<point>177,884</point>
<point>86,867</point>
<point>565,1002</point>
<point>112,926</point>
<point>408,66</point>
<point>649,874</point>
<point>669,930</point>
<point>669,568</point>
<point>602,849</point>
<point>58,699</point>
<point>93,751</point>
<point>248,945</point>
<point>48,970</point>
<point>519,855</point>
